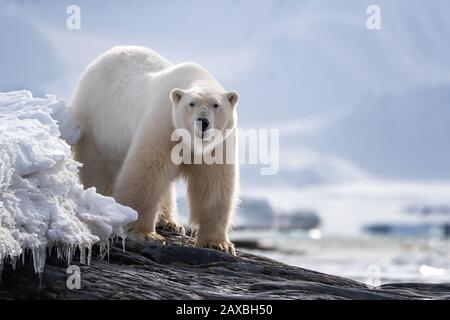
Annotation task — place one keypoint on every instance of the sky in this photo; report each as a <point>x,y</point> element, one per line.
<point>350,102</point>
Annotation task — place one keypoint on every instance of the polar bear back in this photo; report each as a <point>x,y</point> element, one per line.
<point>110,100</point>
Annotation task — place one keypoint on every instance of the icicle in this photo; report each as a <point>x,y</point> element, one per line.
<point>67,254</point>
<point>104,250</point>
<point>70,253</point>
<point>107,248</point>
<point>82,254</point>
<point>59,252</point>
<point>101,251</point>
<point>89,254</point>
<point>39,256</point>
<point>1,269</point>
<point>123,244</point>
<point>23,257</point>
<point>50,248</point>
<point>13,262</point>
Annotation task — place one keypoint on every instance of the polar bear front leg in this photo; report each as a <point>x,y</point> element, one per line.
<point>211,191</point>
<point>141,185</point>
<point>167,215</point>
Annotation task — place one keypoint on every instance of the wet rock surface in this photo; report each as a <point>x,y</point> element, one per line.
<point>181,271</point>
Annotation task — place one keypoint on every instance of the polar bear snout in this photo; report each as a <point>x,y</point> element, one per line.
<point>203,124</point>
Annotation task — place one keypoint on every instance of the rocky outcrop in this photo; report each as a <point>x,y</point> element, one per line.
<point>181,271</point>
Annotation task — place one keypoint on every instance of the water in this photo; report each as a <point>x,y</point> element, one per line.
<point>369,259</point>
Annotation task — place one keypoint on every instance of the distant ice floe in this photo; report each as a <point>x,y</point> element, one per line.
<point>42,203</point>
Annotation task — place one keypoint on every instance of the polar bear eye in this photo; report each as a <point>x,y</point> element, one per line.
<point>191,104</point>
<point>216,105</point>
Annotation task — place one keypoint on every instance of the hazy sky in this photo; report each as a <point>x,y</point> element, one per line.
<point>347,98</point>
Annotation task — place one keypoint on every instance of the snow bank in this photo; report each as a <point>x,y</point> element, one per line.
<point>42,203</point>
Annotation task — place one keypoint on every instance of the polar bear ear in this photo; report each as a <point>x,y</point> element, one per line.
<point>233,97</point>
<point>176,95</point>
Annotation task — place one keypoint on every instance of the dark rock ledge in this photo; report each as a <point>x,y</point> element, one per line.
<point>180,271</point>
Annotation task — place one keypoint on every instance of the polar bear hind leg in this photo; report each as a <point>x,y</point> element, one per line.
<point>95,172</point>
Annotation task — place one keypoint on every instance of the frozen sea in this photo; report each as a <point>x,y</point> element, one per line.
<point>370,259</point>
<point>416,250</point>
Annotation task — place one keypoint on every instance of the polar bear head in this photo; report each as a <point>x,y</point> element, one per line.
<point>204,112</point>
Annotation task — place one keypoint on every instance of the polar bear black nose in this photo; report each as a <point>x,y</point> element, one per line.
<point>204,123</point>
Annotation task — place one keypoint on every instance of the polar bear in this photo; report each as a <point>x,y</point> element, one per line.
<point>128,103</point>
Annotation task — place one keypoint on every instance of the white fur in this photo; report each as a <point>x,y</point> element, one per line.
<point>124,107</point>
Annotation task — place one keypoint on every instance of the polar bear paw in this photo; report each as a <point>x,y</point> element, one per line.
<point>171,226</point>
<point>224,246</point>
<point>145,237</point>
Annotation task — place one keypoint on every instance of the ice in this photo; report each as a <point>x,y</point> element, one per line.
<point>42,203</point>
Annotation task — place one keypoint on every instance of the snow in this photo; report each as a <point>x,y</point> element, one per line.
<point>42,203</point>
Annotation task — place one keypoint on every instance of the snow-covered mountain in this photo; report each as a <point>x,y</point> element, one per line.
<point>403,135</point>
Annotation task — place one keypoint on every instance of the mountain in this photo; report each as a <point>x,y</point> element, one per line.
<point>402,135</point>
